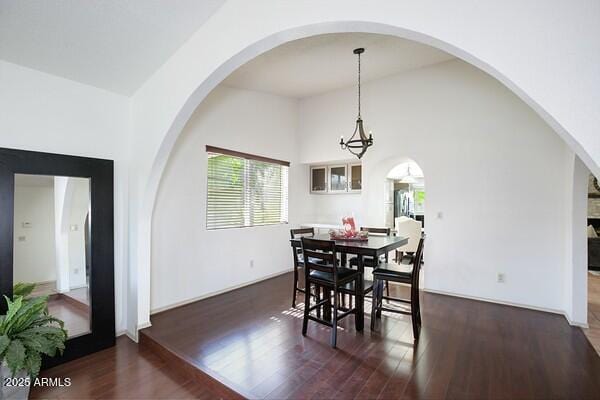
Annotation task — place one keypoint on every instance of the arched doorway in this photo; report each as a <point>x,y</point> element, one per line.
<point>404,193</point>
<point>147,195</point>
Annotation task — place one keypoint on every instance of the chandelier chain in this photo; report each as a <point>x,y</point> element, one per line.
<point>358,85</point>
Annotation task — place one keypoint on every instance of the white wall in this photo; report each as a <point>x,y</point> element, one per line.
<point>63,196</point>
<point>42,112</point>
<point>79,210</point>
<point>575,278</point>
<point>187,260</point>
<point>34,258</point>
<point>492,167</point>
<point>529,58</point>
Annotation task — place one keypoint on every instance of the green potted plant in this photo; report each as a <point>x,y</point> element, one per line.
<point>27,332</point>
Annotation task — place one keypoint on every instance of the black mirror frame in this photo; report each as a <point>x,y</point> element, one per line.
<point>102,288</point>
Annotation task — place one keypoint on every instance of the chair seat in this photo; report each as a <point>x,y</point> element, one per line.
<point>393,271</point>
<point>349,287</point>
<point>343,273</point>
<point>367,261</point>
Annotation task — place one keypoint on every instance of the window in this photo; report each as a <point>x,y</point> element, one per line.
<point>245,190</point>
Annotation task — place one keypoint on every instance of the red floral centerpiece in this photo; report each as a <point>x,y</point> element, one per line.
<point>349,232</point>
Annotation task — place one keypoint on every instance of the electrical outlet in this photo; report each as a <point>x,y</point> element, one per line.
<point>501,277</point>
<point>251,263</point>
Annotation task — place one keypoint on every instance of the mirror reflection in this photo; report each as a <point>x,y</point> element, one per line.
<point>52,244</point>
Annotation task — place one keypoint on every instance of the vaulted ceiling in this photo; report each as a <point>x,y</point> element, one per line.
<point>111,44</point>
<point>323,63</point>
<point>117,45</point>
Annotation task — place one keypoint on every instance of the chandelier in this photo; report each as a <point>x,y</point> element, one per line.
<point>358,145</point>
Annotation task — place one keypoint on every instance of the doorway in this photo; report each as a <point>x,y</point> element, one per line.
<point>404,194</point>
<point>593,238</point>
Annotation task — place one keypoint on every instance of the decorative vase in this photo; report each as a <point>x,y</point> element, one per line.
<point>14,388</point>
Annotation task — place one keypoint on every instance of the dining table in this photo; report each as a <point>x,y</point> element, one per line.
<point>375,246</point>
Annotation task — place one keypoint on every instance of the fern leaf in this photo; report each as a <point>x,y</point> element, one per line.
<point>13,307</point>
<point>23,289</point>
<point>27,314</point>
<point>15,356</point>
<point>4,342</point>
<point>33,363</point>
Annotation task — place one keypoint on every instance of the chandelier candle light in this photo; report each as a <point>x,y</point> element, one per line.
<point>358,145</point>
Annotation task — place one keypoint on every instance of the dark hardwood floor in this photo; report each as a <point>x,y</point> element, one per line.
<point>251,339</point>
<point>126,371</point>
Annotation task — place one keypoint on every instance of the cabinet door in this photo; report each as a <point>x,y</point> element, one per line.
<point>338,178</point>
<point>318,179</point>
<point>355,182</point>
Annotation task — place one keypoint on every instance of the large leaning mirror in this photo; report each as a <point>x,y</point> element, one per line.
<point>52,246</point>
<point>57,232</point>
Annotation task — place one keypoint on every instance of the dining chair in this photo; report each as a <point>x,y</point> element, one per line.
<point>411,229</point>
<point>321,268</point>
<point>299,258</point>
<point>370,261</point>
<point>401,273</point>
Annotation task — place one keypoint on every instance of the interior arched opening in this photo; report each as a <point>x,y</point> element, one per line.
<point>467,130</point>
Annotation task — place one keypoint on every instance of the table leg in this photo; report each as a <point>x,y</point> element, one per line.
<point>360,296</point>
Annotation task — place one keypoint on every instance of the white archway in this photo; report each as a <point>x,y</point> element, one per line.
<point>150,163</point>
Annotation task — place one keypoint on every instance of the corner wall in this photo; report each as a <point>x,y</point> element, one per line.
<point>189,261</point>
<point>492,167</point>
<point>42,112</point>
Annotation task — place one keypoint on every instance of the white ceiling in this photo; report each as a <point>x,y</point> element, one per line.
<point>111,44</point>
<point>323,63</point>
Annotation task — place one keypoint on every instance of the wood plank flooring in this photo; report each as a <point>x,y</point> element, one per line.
<point>76,319</point>
<point>125,371</point>
<point>593,332</point>
<point>251,338</point>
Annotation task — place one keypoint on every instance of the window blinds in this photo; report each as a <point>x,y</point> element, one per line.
<point>245,190</point>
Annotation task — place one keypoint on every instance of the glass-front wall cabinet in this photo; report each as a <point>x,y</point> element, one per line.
<point>338,181</point>
<point>338,178</point>
<point>355,183</point>
<point>318,179</point>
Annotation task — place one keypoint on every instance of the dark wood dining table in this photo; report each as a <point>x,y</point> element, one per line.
<point>375,246</point>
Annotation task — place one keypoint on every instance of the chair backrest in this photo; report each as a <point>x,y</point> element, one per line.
<point>319,255</point>
<point>302,232</point>
<point>376,231</point>
<point>299,233</point>
<point>411,229</point>
<point>418,259</point>
<point>397,220</point>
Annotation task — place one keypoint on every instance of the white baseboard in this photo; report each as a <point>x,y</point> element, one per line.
<point>573,323</point>
<point>216,293</point>
<point>128,334</point>
<point>144,325</point>
<point>508,303</point>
